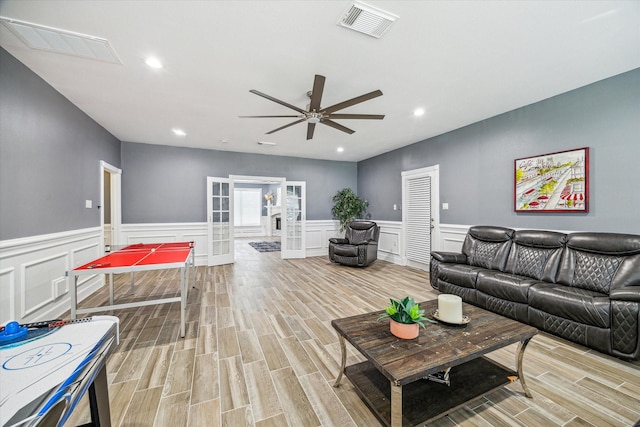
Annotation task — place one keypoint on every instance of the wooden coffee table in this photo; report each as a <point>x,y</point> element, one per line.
<point>392,380</point>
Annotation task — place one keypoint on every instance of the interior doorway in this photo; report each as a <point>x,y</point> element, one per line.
<point>282,218</point>
<point>110,205</point>
<point>420,215</point>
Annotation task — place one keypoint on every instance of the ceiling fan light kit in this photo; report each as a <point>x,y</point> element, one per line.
<point>315,114</point>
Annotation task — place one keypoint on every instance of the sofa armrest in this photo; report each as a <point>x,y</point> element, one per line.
<point>366,243</point>
<point>450,257</point>
<point>338,241</point>
<point>625,294</point>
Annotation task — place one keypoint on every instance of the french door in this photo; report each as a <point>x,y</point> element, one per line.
<point>220,221</point>
<point>293,223</point>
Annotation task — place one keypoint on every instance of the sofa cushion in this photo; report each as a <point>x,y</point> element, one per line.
<point>487,247</point>
<point>536,254</point>
<point>504,286</point>
<point>459,274</point>
<point>346,250</point>
<point>361,232</point>
<point>580,305</point>
<point>601,261</point>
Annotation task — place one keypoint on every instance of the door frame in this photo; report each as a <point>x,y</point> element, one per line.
<point>116,202</point>
<point>434,173</point>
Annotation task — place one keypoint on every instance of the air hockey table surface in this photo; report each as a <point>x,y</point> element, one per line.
<point>45,375</point>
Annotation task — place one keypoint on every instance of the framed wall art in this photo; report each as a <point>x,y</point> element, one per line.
<point>554,182</point>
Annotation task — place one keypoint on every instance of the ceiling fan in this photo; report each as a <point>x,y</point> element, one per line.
<point>316,114</point>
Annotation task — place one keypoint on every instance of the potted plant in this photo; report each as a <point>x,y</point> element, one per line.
<point>405,318</point>
<point>347,207</point>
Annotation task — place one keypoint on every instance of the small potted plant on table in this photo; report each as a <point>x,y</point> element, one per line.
<point>405,318</point>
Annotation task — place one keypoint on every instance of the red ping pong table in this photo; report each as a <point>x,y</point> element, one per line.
<point>134,258</point>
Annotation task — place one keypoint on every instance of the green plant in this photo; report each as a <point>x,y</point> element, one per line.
<point>347,206</point>
<point>406,311</point>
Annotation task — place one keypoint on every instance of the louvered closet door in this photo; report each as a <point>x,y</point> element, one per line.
<point>418,217</point>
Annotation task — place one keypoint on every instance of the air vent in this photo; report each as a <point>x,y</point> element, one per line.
<point>61,41</point>
<point>367,19</point>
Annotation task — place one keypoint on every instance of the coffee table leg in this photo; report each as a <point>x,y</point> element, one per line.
<point>396,405</point>
<point>519,357</point>
<point>343,350</point>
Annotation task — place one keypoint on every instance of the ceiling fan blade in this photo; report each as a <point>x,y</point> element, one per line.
<point>357,116</point>
<point>337,126</point>
<point>353,101</point>
<point>261,117</point>
<point>276,100</point>
<point>316,93</point>
<point>286,126</point>
<point>311,127</point>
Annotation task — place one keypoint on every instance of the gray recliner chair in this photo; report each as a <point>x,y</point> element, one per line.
<point>359,247</point>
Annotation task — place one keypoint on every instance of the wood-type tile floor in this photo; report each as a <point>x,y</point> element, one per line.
<point>260,351</point>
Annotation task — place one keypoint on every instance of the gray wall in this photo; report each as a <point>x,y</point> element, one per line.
<point>50,154</point>
<point>169,184</point>
<point>477,162</point>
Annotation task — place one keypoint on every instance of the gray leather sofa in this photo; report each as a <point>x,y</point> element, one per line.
<point>584,287</point>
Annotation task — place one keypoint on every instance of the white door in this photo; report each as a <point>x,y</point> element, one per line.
<point>420,215</point>
<point>293,219</point>
<point>110,190</point>
<point>219,221</point>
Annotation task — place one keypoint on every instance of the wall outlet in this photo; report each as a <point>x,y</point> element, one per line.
<point>88,204</point>
<point>445,206</point>
<point>395,207</point>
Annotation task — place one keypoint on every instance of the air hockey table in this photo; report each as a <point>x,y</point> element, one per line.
<point>134,258</point>
<point>49,366</point>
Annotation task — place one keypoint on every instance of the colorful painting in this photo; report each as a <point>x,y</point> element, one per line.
<point>554,182</point>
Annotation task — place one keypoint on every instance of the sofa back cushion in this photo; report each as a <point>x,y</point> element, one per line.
<point>601,262</point>
<point>536,254</point>
<point>362,232</point>
<point>487,246</point>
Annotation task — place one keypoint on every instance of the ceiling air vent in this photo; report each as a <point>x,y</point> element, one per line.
<point>61,41</point>
<point>367,19</point>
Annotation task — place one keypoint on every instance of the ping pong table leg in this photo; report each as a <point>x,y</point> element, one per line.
<point>74,297</point>
<point>111,288</point>
<point>193,265</point>
<point>183,301</point>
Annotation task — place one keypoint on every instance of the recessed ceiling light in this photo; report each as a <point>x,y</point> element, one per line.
<point>418,112</point>
<point>153,62</point>
<point>340,149</point>
<point>178,132</point>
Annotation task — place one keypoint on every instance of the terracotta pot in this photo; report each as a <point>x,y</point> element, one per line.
<point>404,331</point>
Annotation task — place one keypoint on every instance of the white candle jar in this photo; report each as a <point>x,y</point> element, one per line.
<point>450,308</point>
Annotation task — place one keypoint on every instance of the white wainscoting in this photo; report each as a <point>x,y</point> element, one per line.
<point>33,285</point>
<point>452,237</point>
<point>170,232</point>
<point>391,242</point>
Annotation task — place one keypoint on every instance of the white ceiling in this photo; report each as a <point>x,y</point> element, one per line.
<point>462,61</point>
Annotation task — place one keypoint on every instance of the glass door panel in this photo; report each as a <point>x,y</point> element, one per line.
<point>293,244</point>
<point>220,220</point>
